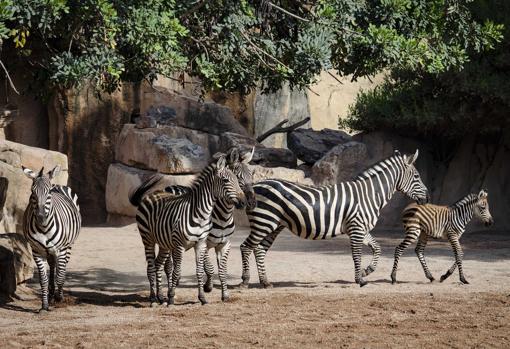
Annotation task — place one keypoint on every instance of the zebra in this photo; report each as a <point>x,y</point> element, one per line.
<point>51,224</point>
<point>324,212</point>
<point>179,223</point>
<point>223,225</point>
<point>447,222</point>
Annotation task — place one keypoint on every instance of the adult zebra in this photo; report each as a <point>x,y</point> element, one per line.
<point>223,225</point>
<point>310,212</point>
<point>51,224</point>
<point>424,221</point>
<point>176,224</point>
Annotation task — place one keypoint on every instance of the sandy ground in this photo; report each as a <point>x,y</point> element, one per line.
<point>314,302</point>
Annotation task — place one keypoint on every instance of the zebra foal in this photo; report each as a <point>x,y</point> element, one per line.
<point>223,225</point>
<point>310,212</point>
<point>51,224</point>
<point>176,224</point>
<point>448,222</point>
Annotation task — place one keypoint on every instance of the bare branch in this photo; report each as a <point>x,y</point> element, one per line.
<point>287,12</point>
<point>279,129</point>
<point>334,77</point>
<point>8,77</point>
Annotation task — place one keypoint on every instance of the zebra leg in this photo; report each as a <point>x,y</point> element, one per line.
<point>251,243</point>
<point>177,254</point>
<point>411,235</point>
<point>420,247</point>
<point>260,256</point>
<point>209,272</point>
<point>376,253</point>
<point>160,262</point>
<point>448,272</point>
<point>51,262</point>
<point>62,260</point>
<point>222,252</point>
<point>200,249</point>
<point>356,237</point>
<point>43,280</point>
<point>150,256</point>
<point>168,272</point>
<point>457,251</point>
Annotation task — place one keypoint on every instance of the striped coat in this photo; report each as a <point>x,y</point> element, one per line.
<point>51,224</point>
<point>447,222</point>
<point>310,212</point>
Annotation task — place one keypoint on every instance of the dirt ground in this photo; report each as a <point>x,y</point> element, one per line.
<point>314,302</point>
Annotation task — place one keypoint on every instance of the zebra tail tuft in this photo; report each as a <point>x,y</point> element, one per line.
<point>136,197</point>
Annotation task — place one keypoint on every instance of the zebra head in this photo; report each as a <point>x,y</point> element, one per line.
<point>41,192</point>
<point>239,166</point>
<point>482,208</point>
<point>409,182</point>
<point>226,185</point>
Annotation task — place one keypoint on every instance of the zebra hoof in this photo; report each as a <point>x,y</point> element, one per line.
<point>243,285</point>
<point>203,301</point>
<point>464,281</point>
<point>164,304</point>
<point>267,285</point>
<point>393,281</point>
<point>44,309</point>
<point>444,277</point>
<point>362,283</point>
<point>208,287</point>
<point>225,297</point>
<point>431,279</point>
<point>154,304</point>
<point>367,271</point>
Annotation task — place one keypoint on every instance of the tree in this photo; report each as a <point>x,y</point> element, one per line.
<point>448,105</point>
<point>235,45</point>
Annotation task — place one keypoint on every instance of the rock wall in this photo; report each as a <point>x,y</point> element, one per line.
<point>16,263</point>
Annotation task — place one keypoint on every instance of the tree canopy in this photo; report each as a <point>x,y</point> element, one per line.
<point>235,45</point>
<point>448,105</point>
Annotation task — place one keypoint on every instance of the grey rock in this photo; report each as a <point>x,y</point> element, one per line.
<point>309,145</point>
<point>342,163</point>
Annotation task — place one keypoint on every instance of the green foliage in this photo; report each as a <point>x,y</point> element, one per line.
<point>234,45</point>
<point>448,105</point>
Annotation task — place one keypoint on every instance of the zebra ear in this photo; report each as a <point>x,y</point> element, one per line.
<point>221,162</point>
<point>233,155</point>
<point>28,172</point>
<point>412,159</point>
<point>54,173</point>
<point>482,194</point>
<point>246,158</point>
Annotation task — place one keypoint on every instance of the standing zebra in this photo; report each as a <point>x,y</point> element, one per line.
<point>223,225</point>
<point>51,224</point>
<point>310,212</point>
<point>424,221</point>
<point>178,223</point>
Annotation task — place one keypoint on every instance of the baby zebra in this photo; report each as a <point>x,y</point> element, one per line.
<point>176,224</point>
<point>424,221</point>
<point>51,224</point>
<point>223,225</point>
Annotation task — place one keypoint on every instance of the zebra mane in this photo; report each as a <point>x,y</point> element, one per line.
<point>203,174</point>
<point>376,168</point>
<point>465,200</point>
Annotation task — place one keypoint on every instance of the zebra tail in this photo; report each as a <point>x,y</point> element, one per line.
<point>136,197</point>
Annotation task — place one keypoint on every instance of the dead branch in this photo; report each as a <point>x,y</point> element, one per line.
<point>279,129</point>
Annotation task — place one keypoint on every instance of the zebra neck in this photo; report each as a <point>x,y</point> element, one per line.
<point>380,186</point>
<point>202,195</point>
<point>463,211</point>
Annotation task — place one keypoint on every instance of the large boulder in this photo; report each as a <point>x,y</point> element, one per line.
<point>191,113</point>
<point>122,180</point>
<point>169,149</point>
<point>15,188</point>
<point>342,163</point>
<point>309,145</point>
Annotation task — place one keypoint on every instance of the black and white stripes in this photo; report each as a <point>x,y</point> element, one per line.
<point>447,222</point>
<point>178,223</point>
<point>309,212</point>
<point>51,224</point>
